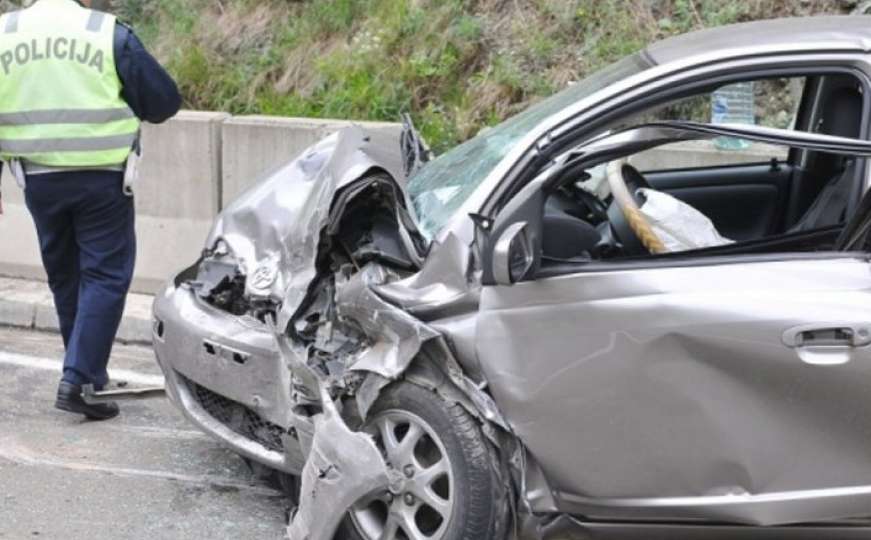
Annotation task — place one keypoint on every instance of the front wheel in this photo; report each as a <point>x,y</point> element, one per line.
<point>451,491</point>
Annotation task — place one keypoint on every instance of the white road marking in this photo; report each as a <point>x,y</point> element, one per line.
<point>140,379</point>
<point>154,432</point>
<point>48,364</point>
<point>13,451</point>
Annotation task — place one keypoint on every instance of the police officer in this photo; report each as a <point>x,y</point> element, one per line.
<point>74,86</point>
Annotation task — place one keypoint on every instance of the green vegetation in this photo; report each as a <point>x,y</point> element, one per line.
<point>456,65</point>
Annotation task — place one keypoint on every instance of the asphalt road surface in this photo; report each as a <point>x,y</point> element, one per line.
<point>144,475</point>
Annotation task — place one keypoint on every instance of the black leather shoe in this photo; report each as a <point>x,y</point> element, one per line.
<point>69,398</point>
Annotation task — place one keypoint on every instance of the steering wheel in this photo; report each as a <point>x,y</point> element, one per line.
<point>625,182</point>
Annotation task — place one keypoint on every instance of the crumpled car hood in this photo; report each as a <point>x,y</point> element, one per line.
<point>272,230</point>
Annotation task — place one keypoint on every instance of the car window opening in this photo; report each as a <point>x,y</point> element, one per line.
<point>721,196</point>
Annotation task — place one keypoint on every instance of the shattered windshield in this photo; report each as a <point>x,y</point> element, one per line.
<point>444,184</point>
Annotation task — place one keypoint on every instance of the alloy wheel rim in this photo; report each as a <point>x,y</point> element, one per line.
<point>421,507</point>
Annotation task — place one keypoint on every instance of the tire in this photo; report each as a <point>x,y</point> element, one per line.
<point>469,492</point>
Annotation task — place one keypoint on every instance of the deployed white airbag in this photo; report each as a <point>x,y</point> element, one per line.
<point>680,226</point>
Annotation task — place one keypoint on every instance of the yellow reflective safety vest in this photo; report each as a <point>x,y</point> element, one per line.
<point>60,95</point>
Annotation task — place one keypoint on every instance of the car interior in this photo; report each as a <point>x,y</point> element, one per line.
<point>786,200</point>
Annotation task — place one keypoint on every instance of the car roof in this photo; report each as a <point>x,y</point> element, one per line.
<point>851,31</point>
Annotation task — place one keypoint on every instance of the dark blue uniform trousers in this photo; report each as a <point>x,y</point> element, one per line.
<point>85,225</point>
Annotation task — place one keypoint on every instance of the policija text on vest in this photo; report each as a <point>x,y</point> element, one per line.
<point>58,48</point>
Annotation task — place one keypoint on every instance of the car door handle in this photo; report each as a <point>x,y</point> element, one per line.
<point>828,335</point>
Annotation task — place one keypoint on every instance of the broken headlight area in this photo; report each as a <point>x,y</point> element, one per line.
<point>221,283</point>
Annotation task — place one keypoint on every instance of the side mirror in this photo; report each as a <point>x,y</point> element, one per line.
<point>513,255</point>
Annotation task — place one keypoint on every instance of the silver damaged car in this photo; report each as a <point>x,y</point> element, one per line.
<point>607,317</point>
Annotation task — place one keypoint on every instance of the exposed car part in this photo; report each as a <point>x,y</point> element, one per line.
<point>343,467</point>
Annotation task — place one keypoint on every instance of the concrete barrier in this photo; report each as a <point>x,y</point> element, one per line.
<point>693,154</point>
<point>19,249</point>
<point>254,146</point>
<point>199,161</point>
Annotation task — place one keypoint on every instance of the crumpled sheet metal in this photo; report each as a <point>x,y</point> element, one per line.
<point>274,228</point>
<point>482,405</point>
<point>397,335</point>
<point>443,284</point>
<point>444,279</point>
<point>398,338</point>
<point>295,362</point>
<point>377,299</point>
<point>340,469</point>
<point>343,468</point>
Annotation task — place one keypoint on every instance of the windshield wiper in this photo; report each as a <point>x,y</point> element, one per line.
<point>415,151</point>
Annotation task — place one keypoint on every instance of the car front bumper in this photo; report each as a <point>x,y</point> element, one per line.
<point>225,374</point>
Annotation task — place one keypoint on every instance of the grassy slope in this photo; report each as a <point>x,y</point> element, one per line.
<point>457,65</point>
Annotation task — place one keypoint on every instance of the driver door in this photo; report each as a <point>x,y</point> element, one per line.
<point>726,389</point>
